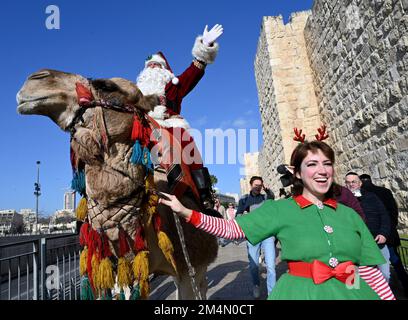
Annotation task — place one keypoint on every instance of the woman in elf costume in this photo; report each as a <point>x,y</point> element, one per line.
<point>327,245</point>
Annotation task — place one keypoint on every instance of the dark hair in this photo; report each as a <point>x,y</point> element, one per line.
<point>351,173</point>
<point>300,153</point>
<point>365,176</point>
<point>255,178</point>
<point>282,192</point>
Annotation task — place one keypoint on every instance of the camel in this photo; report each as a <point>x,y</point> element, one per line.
<point>112,182</point>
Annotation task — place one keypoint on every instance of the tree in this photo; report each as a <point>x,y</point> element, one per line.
<point>214,180</point>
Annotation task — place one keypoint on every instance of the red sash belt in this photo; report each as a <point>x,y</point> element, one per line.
<point>321,272</point>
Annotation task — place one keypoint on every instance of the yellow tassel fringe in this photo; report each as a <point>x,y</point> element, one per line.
<point>144,289</point>
<point>83,261</point>
<point>95,272</point>
<point>105,274</point>
<point>82,210</point>
<point>167,248</point>
<point>124,273</point>
<point>141,265</point>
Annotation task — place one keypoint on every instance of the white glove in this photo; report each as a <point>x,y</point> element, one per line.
<point>209,37</point>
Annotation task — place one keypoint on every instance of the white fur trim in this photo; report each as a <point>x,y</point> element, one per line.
<point>159,112</point>
<point>204,53</point>
<point>175,81</point>
<point>176,123</point>
<point>156,58</point>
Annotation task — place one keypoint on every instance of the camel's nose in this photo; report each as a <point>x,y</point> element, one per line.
<point>39,75</point>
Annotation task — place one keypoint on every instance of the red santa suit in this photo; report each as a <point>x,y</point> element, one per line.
<point>172,90</point>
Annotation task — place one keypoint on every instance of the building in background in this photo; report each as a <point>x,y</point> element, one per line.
<point>28,219</point>
<point>224,198</point>
<point>69,200</point>
<point>11,222</point>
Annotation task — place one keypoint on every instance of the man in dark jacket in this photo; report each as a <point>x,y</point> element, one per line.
<point>247,203</point>
<point>393,240</point>
<point>377,217</point>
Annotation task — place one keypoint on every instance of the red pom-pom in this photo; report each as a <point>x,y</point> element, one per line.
<point>106,253</point>
<point>137,129</point>
<point>84,234</point>
<point>157,222</point>
<point>123,244</point>
<point>139,240</point>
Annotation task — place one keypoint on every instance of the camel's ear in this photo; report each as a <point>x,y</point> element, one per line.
<point>148,102</point>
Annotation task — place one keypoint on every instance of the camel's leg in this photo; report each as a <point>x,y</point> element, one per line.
<point>184,290</point>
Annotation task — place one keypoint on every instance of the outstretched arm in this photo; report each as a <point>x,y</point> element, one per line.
<point>228,229</point>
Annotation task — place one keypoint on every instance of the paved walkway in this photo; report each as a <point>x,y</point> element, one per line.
<point>229,278</point>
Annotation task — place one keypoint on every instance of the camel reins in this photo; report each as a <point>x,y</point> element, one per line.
<point>126,108</point>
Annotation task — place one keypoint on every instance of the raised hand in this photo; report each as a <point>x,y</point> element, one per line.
<point>209,37</point>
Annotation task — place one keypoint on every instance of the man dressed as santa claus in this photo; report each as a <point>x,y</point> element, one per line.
<point>157,78</point>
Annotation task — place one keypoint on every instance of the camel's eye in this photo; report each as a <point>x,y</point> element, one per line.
<point>39,75</point>
<point>105,85</point>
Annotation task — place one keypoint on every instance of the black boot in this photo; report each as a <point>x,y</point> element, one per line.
<point>202,181</point>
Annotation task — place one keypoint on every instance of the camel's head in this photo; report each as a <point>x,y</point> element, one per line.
<point>52,93</point>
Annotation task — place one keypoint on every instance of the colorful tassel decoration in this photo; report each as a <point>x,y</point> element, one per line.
<point>86,289</point>
<point>106,294</point>
<point>105,274</point>
<point>166,247</point>
<point>146,160</point>
<point>137,130</point>
<point>82,210</point>
<point>78,182</point>
<point>124,273</point>
<point>140,244</point>
<point>83,261</point>
<point>84,234</point>
<point>135,292</point>
<point>141,265</point>
<point>149,184</point>
<point>144,289</point>
<point>122,295</point>
<point>95,272</point>
<point>123,243</point>
<point>137,153</point>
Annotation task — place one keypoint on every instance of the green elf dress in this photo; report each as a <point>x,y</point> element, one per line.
<point>332,234</point>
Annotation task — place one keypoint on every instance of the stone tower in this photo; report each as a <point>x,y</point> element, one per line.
<point>286,92</point>
<point>345,63</point>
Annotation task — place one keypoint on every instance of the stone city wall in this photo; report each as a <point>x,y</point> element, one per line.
<point>358,54</point>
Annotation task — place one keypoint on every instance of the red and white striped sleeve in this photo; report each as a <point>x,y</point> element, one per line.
<point>377,282</point>
<point>228,229</point>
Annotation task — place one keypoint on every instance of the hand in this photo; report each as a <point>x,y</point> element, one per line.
<point>209,37</point>
<point>175,205</point>
<point>380,239</point>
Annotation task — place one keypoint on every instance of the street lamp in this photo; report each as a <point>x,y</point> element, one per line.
<point>37,193</point>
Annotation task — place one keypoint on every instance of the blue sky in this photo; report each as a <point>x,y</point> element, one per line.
<point>112,39</point>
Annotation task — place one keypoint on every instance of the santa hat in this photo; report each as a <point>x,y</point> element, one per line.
<point>160,58</point>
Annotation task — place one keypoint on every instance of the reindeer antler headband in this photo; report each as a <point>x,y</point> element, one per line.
<point>322,134</point>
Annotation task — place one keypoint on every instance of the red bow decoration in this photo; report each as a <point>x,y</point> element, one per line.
<point>321,272</point>
<point>84,95</point>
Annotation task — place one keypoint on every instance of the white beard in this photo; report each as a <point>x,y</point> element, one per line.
<point>153,80</point>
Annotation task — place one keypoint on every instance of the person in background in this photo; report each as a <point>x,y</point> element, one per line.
<point>377,217</point>
<point>231,211</point>
<point>246,204</point>
<point>393,241</point>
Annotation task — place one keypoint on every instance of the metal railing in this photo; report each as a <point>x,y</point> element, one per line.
<point>403,252</point>
<point>40,269</point>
